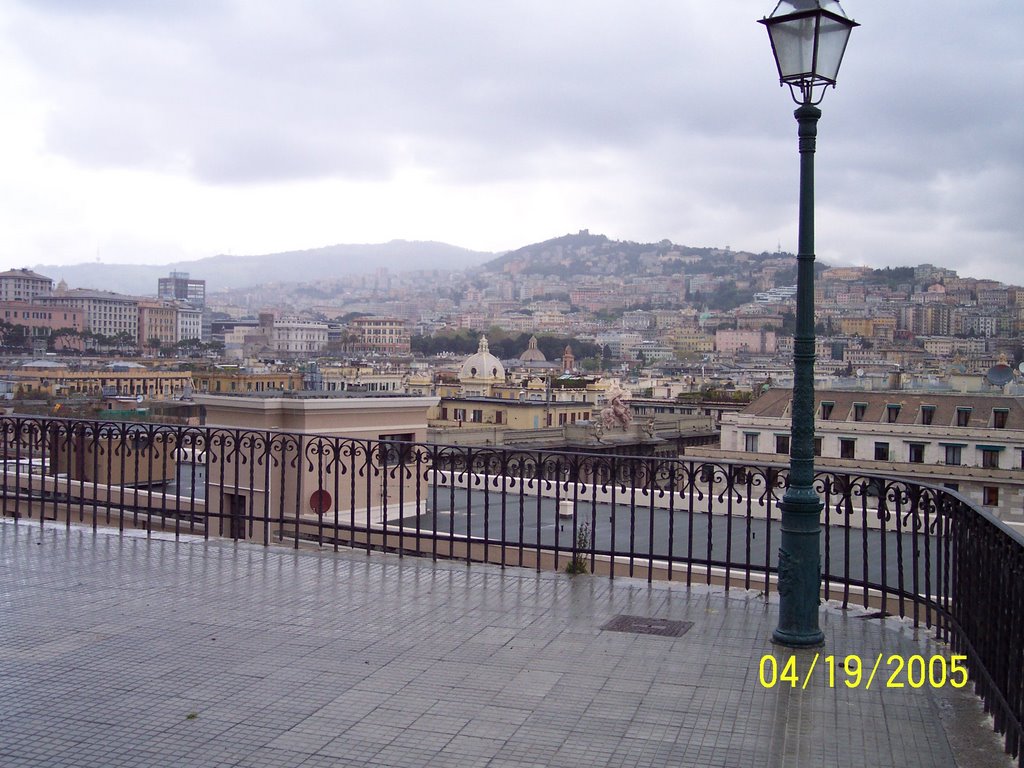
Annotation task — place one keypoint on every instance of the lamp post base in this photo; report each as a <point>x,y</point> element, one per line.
<point>799,569</point>
<point>789,640</point>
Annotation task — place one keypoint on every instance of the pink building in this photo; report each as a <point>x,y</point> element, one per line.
<point>41,321</point>
<point>731,342</point>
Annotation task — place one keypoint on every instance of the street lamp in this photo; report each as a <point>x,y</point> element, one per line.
<point>808,40</point>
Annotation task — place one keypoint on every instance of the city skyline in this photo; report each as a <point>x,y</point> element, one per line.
<point>148,135</point>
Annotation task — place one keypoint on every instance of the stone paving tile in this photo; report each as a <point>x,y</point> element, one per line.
<point>127,651</point>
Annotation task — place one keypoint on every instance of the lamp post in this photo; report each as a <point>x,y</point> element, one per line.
<point>808,40</point>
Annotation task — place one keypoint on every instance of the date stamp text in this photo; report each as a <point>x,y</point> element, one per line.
<point>852,671</point>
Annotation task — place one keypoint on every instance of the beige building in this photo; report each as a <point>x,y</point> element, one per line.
<point>297,338</point>
<point>158,321</point>
<point>484,397</point>
<point>320,455</point>
<point>105,312</point>
<point>365,378</point>
<point>882,327</point>
<point>687,341</point>
<point>42,378</point>
<point>384,335</point>
<point>948,346</point>
<point>23,285</point>
<point>971,443</point>
<point>235,381</point>
<point>470,412</point>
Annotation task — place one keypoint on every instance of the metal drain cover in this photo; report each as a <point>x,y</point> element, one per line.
<point>642,625</point>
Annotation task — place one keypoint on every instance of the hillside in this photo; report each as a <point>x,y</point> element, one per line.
<point>587,254</point>
<point>235,272</point>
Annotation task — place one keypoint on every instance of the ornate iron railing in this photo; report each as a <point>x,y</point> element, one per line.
<point>897,547</point>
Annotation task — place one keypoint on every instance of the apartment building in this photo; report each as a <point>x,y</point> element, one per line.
<point>971,443</point>
<point>158,322</point>
<point>188,322</point>
<point>731,342</point>
<point>40,322</point>
<point>23,285</point>
<point>384,335</point>
<point>294,338</point>
<point>106,312</point>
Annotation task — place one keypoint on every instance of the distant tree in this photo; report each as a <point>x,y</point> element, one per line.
<point>12,335</point>
<point>570,383</point>
<point>727,296</point>
<point>60,338</point>
<point>348,317</point>
<point>124,341</point>
<point>891,277</point>
<point>189,346</point>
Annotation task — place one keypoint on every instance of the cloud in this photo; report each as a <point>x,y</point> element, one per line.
<point>348,83</point>
<point>648,120</point>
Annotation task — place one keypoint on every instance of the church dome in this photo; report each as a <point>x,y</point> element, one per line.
<point>483,366</point>
<point>532,354</point>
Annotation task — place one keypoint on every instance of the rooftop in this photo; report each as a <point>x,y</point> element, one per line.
<point>24,273</point>
<point>131,650</point>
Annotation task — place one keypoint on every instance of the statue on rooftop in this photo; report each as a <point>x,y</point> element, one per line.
<point>616,413</point>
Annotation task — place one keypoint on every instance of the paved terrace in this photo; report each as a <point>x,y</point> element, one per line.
<point>128,651</point>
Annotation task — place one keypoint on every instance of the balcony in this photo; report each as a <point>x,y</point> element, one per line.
<point>170,642</point>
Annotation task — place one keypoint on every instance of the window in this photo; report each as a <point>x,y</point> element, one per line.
<point>927,414</point>
<point>394,453</point>
<point>952,486</point>
<point>990,496</point>
<point>478,416</point>
<point>881,451</point>
<point>963,417</point>
<point>916,453</point>
<point>140,442</point>
<point>953,455</point>
<point>847,447</point>
<point>750,442</point>
<point>999,416</point>
<point>817,446</point>
<point>782,444</point>
<point>892,413</point>
<point>460,414</point>
<point>826,410</point>
<point>858,411</point>
<point>989,458</point>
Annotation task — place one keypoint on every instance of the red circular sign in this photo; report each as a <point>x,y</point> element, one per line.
<point>320,501</point>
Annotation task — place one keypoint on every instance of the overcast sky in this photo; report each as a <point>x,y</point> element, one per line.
<point>146,131</point>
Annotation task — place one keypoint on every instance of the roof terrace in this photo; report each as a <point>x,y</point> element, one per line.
<point>136,651</point>
<point>215,597</point>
